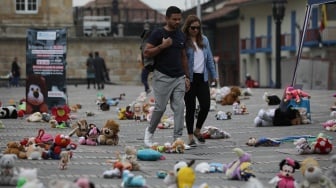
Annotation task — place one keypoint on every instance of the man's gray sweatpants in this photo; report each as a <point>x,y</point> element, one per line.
<point>166,88</point>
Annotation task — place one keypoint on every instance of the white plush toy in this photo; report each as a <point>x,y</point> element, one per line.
<point>28,179</point>
<point>264,118</point>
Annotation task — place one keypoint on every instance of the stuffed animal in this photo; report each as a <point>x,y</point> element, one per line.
<point>91,137</point>
<point>8,172</point>
<point>64,160</point>
<point>116,171</point>
<point>297,94</point>
<point>263,141</point>
<point>61,113</point>
<point>223,115</point>
<point>131,156</point>
<point>75,107</point>
<point>331,172</point>
<point>211,132</point>
<point>131,180</point>
<point>34,152</point>
<point>178,146</point>
<point>271,99</point>
<point>313,175</point>
<point>84,182</point>
<point>232,169</point>
<point>122,114</point>
<point>36,94</point>
<point>80,127</point>
<point>138,112</point>
<point>290,116</point>
<point>322,145</point>
<point>28,178</point>
<point>264,118</point>
<point>9,112</point>
<point>303,147</point>
<point>109,133</point>
<point>246,171</point>
<point>61,143</point>
<point>15,148</point>
<point>231,97</point>
<point>35,117</point>
<point>186,177</point>
<point>171,179</point>
<point>285,178</point>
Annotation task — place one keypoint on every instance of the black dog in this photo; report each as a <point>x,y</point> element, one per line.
<point>271,99</point>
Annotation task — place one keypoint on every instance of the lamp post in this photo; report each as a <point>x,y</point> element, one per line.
<point>278,15</point>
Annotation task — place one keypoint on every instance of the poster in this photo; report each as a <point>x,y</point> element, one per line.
<point>45,69</point>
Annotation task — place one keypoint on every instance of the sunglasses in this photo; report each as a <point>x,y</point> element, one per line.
<point>195,27</point>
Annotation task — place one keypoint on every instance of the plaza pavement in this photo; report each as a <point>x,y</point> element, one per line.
<point>90,160</point>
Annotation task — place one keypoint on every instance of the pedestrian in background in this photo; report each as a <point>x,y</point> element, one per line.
<point>16,73</point>
<point>144,72</point>
<point>90,71</point>
<point>170,77</point>
<point>201,65</point>
<point>100,69</point>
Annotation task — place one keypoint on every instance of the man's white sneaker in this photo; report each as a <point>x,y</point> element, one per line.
<point>148,140</point>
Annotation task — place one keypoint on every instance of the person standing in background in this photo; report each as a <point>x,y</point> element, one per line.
<point>141,60</point>
<point>90,71</point>
<point>16,73</point>
<point>170,77</point>
<point>201,65</point>
<point>100,68</point>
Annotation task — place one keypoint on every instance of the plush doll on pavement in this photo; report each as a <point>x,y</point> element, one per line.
<point>61,143</point>
<point>285,178</point>
<point>313,175</point>
<point>232,169</point>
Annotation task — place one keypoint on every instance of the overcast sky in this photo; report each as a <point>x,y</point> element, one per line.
<point>157,4</point>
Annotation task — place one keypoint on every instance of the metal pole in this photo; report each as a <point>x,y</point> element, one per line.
<point>304,29</point>
<point>278,54</point>
<point>199,9</point>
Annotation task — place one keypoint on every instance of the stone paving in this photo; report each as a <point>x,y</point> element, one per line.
<point>90,160</point>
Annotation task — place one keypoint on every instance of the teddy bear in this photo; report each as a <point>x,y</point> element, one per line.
<point>170,180</point>
<point>91,137</point>
<point>313,175</point>
<point>36,94</point>
<point>178,146</point>
<point>61,142</point>
<point>109,133</point>
<point>8,171</point>
<point>131,156</point>
<point>285,178</point>
<point>15,148</point>
<point>232,96</point>
<point>34,152</point>
<point>80,128</point>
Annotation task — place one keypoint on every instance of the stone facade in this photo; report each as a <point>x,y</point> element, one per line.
<point>119,53</point>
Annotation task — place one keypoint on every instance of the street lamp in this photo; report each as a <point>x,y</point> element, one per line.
<point>278,15</point>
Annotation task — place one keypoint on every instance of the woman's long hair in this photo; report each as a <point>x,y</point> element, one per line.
<point>191,19</point>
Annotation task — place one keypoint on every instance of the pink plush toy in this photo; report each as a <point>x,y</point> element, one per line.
<point>91,137</point>
<point>297,94</point>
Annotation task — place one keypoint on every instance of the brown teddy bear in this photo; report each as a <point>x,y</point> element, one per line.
<point>178,146</point>
<point>36,94</point>
<point>109,133</point>
<point>17,149</point>
<point>231,97</point>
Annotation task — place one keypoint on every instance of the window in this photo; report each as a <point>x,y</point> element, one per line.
<point>26,6</point>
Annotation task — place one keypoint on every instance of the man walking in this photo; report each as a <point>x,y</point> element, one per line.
<point>170,77</point>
